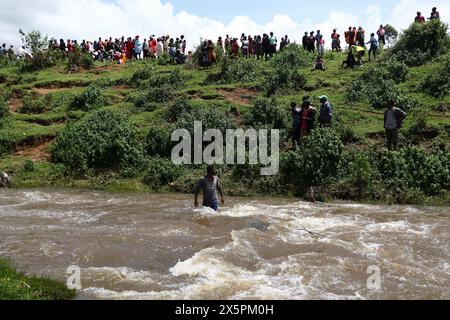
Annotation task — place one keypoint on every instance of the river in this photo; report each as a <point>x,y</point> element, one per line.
<point>157,246</point>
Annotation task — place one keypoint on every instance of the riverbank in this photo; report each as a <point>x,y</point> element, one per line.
<point>16,286</point>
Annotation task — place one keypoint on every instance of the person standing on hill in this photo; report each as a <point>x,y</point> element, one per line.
<point>312,43</point>
<point>434,14</point>
<point>305,41</point>
<point>266,46</point>
<point>326,112</point>
<point>335,45</point>
<point>393,121</point>
<point>320,43</point>
<point>273,44</point>
<point>210,185</point>
<point>361,37</point>
<point>307,118</point>
<point>381,36</point>
<point>419,18</point>
<point>373,46</point>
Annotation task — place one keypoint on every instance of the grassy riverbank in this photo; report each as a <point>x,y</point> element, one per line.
<point>16,286</point>
<point>61,128</point>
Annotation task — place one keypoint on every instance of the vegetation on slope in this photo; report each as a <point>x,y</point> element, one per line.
<point>109,126</point>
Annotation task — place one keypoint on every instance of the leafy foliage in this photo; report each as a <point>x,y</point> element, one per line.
<point>178,108</point>
<point>236,71</point>
<point>283,79</point>
<point>4,109</point>
<point>78,59</point>
<point>160,173</point>
<point>158,142</point>
<point>268,113</point>
<point>437,82</point>
<point>292,56</point>
<point>7,142</point>
<point>422,41</point>
<point>91,99</point>
<point>35,104</point>
<point>315,162</point>
<point>102,140</point>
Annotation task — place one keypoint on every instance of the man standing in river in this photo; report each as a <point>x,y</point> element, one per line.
<point>210,185</point>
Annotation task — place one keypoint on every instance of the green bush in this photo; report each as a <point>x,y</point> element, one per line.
<point>415,168</point>
<point>148,78</point>
<point>78,59</point>
<point>35,104</point>
<point>158,142</point>
<point>160,173</point>
<point>4,109</point>
<point>7,142</point>
<point>102,140</point>
<point>178,108</point>
<point>211,117</point>
<point>421,42</point>
<point>316,162</point>
<point>437,82</point>
<point>284,78</point>
<point>92,98</point>
<point>28,166</point>
<point>292,57</point>
<point>236,71</point>
<point>268,113</point>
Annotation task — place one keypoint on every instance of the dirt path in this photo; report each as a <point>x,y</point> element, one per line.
<point>35,153</point>
<point>44,91</point>
<point>238,95</point>
<point>15,104</point>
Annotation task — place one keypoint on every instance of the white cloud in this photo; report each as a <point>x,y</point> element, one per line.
<point>90,19</point>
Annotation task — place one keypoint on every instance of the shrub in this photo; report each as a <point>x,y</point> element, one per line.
<point>414,167</point>
<point>102,140</point>
<point>158,142</point>
<point>41,55</point>
<point>437,82</point>
<point>282,79</point>
<point>148,78</point>
<point>7,142</point>
<point>268,113</point>
<point>160,173</point>
<point>92,98</point>
<point>211,117</point>
<point>178,108</point>
<point>78,59</point>
<point>28,166</point>
<point>292,57</point>
<point>236,71</point>
<point>315,162</point>
<point>420,42</point>
<point>34,104</point>
<point>4,109</point>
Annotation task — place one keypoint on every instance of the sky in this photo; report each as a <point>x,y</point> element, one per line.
<point>90,19</point>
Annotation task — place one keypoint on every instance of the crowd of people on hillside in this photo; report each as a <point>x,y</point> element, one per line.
<point>258,47</point>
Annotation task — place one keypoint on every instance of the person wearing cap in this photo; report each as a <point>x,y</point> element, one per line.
<point>393,121</point>
<point>307,118</point>
<point>326,112</point>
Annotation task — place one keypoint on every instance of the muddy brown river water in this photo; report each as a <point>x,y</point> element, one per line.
<point>157,246</point>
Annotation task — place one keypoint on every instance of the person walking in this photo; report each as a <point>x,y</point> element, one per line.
<point>373,46</point>
<point>210,185</point>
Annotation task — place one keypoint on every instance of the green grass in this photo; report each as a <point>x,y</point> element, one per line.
<point>16,286</point>
<point>115,84</point>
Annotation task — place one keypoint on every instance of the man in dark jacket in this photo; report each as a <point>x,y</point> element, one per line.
<point>393,121</point>
<point>326,112</point>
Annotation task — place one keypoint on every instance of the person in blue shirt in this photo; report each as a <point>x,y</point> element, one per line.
<point>373,46</point>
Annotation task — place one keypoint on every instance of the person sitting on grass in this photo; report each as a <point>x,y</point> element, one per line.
<point>319,64</point>
<point>210,184</point>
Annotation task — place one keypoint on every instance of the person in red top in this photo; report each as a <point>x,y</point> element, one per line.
<point>69,45</point>
<point>307,118</point>
<point>419,18</point>
<point>153,47</point>
<point>130,49</point>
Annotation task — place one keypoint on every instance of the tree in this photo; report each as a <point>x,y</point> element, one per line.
<point>391,34</point>
<point>34,41</point>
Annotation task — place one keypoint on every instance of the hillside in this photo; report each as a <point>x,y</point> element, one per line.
<point>147,93</point>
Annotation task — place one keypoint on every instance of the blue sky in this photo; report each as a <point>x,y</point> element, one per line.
<point>263,11</point>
